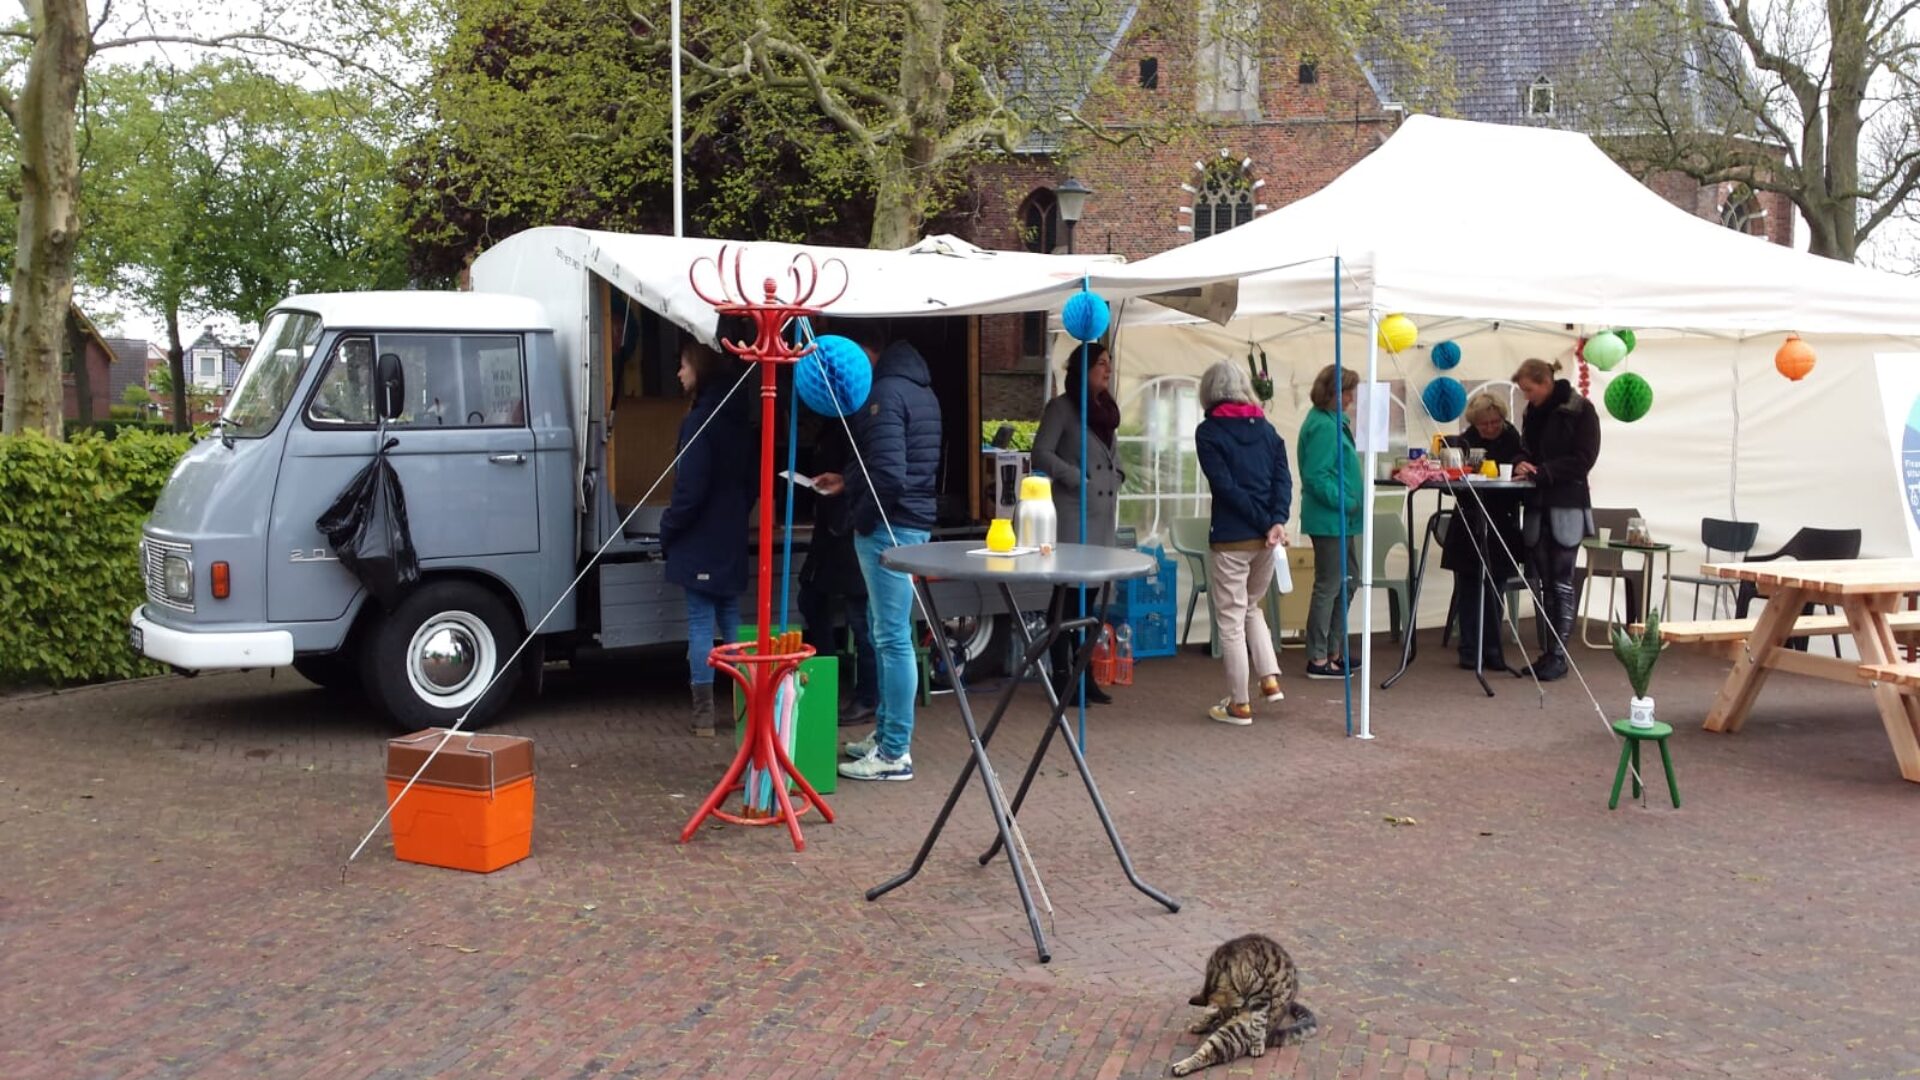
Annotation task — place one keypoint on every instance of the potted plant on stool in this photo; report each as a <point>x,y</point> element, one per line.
<point>1638,653</point>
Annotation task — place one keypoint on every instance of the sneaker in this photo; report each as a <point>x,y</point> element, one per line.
<point>876,766</point>
<point>1325,669</point>
<point>863,748</point>
<point>1270,688</point>
<point>1229,713</point>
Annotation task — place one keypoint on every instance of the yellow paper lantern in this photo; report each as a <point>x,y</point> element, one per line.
<point>1397,333</point>
<point>1794,359</point>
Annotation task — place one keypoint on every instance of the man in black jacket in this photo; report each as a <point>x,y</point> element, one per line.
<point>890,491</point>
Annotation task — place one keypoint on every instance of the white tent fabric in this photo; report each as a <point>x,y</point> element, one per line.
<point>1516,242</point>
<point>940,275</point>
<point>1487,221</point>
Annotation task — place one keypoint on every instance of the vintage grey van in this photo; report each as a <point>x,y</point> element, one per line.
<point>531,418</point>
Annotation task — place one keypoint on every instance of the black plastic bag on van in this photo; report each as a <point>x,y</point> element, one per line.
<point>367,527</point>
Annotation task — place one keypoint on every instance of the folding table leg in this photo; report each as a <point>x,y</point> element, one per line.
<point>1001,816</point>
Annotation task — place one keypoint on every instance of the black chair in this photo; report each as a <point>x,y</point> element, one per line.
<point>1807,545</point>
<point>1719,537</point>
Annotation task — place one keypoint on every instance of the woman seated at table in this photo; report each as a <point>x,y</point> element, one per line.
<point>1486,526</point>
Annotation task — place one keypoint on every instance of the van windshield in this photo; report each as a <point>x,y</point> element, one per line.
<point>271,374</point>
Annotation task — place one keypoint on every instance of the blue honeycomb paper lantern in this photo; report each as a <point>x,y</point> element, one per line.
<point>1445,399</point>
<point>1085,316</point>
<point>1446,355</point>
<point>840,364</point>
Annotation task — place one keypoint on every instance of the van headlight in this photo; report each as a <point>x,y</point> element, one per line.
<point>179,578</point>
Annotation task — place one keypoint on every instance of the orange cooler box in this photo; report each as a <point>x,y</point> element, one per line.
<point>473,807</point>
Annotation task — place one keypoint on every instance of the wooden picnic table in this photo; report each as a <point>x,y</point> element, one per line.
<point>1868,591</point>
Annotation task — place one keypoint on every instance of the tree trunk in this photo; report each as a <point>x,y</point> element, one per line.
<point>76,350</point>
<point>1848,62</point>
<point>177,367</point>
<point>49,228</point>
<point>906,172</point>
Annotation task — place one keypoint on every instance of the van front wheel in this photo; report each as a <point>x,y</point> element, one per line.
<point>430,660</point>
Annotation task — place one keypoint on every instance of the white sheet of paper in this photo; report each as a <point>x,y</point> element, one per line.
<point>798,480</point>
<point>1372,416</point>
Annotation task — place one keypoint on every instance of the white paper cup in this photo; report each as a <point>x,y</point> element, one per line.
<point>1606,535</point>
<point>1506,471</point>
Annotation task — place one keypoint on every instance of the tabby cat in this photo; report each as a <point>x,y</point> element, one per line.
<point>1249,998</point>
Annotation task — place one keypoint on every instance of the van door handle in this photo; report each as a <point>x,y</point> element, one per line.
<point>507,459</point>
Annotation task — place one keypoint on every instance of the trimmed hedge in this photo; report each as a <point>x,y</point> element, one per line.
<point>108,429</point>
<point>70,516</point>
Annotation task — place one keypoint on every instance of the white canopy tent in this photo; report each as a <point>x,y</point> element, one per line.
<point>1515,242</point>
<point>940,275</point>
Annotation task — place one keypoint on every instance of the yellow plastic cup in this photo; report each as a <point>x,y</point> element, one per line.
<point>1000,535</point>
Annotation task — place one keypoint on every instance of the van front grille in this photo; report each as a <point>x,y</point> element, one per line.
<point>156,552</point>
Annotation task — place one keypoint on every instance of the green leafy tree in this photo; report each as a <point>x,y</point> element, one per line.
<point>43,79</point>
<point>218,190</point>
<point>546,113</point>
<point>843,122</point>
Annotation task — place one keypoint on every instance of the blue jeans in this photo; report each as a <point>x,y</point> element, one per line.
<point>890,619</point>
<point>704,609</point>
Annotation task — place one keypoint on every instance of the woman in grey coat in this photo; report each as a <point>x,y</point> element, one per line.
<point>1056,452</point>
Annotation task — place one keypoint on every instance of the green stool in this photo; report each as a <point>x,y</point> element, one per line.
<point>1631,737</point>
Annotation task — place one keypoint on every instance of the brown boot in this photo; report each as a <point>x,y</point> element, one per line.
<point>702,723</point>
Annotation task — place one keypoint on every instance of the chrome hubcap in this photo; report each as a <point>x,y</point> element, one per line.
<point>448,658</point>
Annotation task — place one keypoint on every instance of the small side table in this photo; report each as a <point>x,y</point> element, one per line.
<point>1069,567</point>
<point>1647,553</point>
<point>1630,739</point>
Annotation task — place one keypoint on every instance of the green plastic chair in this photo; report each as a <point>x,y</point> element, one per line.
<point>1190,540</point>
<point>1389,532</point>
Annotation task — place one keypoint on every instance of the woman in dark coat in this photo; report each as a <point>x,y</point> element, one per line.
<point>1056,452</point>
<point>704,530</point>
<point>1561,436</point>
<point>1245,462</point>
<point>1486,525</point>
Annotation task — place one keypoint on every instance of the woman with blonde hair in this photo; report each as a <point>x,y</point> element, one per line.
<point>1561,437</point>
<point>1330,494</point>
<point>1484,538</point>
<point>1245,462</point>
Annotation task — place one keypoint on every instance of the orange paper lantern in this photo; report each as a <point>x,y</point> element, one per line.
<point>1794,359</point>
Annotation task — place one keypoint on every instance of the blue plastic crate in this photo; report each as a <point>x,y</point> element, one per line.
<point>1153,631</point>
<point>1151,592</point>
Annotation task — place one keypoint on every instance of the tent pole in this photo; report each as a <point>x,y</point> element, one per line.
<point>1366,532</point>
<point>679,194</point>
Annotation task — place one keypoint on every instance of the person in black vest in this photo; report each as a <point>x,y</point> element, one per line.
<point>1561,437</point>
<point>704,530</point>
<point>1486,526</point>
<point>831,577</point>
<point>891,497</point>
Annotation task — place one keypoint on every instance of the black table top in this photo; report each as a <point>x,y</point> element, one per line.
<point>1070,564</point>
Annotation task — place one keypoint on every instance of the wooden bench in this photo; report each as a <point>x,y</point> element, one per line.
<point>1730,635</point>
<point>1904,676</point>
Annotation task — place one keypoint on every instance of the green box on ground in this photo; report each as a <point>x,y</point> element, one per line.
<point>816,749</point>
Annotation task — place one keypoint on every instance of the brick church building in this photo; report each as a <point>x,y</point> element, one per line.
<point>1256,133</point>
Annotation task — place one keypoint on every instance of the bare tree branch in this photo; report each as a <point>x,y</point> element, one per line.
<point>254,37</point>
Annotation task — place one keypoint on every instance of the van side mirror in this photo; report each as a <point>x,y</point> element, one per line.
<point>390,386</point>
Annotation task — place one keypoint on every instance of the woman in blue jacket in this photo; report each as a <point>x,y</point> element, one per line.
<point>1246,465</point>
<point>704,531</point>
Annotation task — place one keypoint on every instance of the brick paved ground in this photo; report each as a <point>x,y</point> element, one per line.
<point>173,901</point>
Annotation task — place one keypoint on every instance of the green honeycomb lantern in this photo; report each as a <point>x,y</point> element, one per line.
<point>1629,397</point>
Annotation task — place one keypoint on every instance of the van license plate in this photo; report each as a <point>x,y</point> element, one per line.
<point>138,639</point>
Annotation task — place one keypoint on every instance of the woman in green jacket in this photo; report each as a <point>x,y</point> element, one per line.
<point>1326,449</point>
